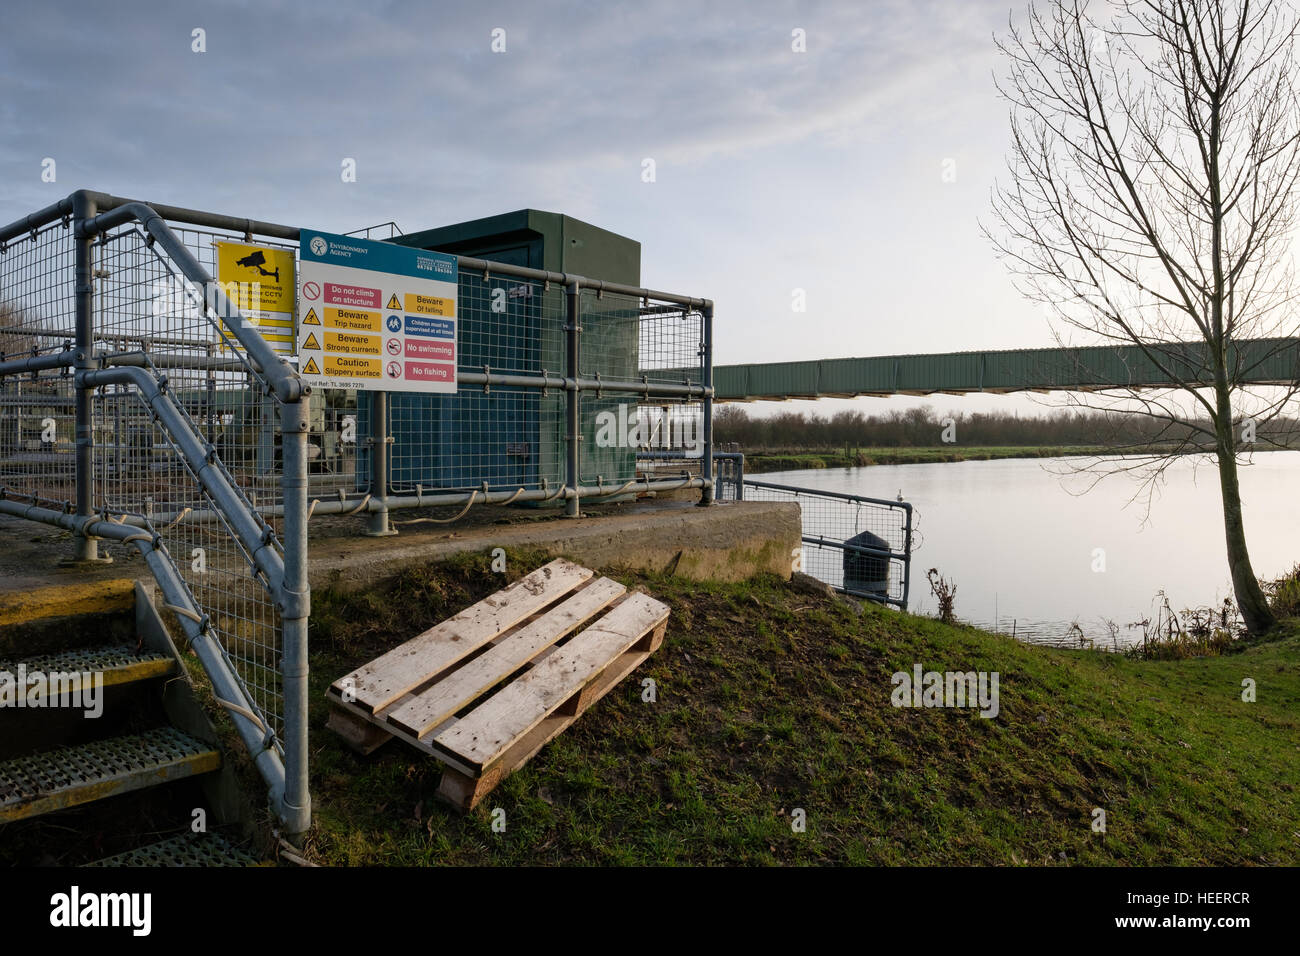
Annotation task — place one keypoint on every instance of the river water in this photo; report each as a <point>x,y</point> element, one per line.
<point>1032,551</point>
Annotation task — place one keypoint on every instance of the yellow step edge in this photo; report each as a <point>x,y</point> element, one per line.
<point>64,600</point>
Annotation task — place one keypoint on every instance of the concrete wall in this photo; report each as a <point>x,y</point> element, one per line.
<point>726,542</point>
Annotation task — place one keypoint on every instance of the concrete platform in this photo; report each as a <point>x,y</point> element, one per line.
<point>725,542</point>
<point>730,541</point>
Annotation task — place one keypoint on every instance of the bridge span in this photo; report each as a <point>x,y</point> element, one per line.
<point>1094,368</point>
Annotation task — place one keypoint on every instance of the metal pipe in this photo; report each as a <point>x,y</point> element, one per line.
<point>582,282</point>
<point>706,361</point>
<point>38,363</point>
<point>84,310</point>
<point>817,492</point>
<point>45,331</point>
<point>907,558</point>
<point>106,202</point>
<point>572,408</point>
<point>280,376</point>
<point>224,683</point>
<point>824,542</point>
<point>197,217</point>
<point>251,531</point>
<point>209,220</point>
<point>406,502</point>
<point>42,217</point>
<point>295,609</point>
<point>166,360</point>
<point>646,388</point>
<point>377,525</point>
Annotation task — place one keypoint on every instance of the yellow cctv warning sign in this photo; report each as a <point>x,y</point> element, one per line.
<point>261,282</point>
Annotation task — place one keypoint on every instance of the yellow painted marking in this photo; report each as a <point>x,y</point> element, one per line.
<point>429,304</point>
<point>359,320</point>
<point>66,600</point>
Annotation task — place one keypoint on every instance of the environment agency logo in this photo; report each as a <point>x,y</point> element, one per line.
<point>319,245</point>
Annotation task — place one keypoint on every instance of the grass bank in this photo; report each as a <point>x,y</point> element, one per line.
<point>771,697</point>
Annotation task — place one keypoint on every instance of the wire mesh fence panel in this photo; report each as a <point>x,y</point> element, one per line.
<point>854,544</point>
<point>147,313</point>
<point>37,411</point>
<point>497,438</point>
<point>625,434</point>
<point>728,475</point>
<point>504,438</point>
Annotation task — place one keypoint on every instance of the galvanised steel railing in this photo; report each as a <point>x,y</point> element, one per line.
<point>115,341</point>
<point>857,545</point>
<point>141,407</point>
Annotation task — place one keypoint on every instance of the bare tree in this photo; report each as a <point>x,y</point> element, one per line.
<point>1152,194</point>
<point>15,342</point>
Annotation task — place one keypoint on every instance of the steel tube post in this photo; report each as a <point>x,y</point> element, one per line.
<point>706,403</point>
<point>87,548</point>
<point>377,525</point>
<point>907,559</point>
<point>573,406</point>
<point>295,608</point>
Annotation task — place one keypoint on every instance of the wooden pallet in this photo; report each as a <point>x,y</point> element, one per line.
<point>485,690</point>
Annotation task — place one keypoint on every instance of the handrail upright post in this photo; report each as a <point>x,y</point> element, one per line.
<point>907,557</point>
<point>573,404</point>
<point>83,208</point>
<point>294,602</point>
<point>709,492</point>
<point>377,525</point>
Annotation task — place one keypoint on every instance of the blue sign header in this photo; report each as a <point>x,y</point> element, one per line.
<point>354,253</point>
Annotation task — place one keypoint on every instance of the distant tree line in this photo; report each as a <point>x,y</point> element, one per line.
<point>924,428</point>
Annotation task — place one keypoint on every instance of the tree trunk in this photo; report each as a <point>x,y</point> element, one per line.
<point>1250,597</point>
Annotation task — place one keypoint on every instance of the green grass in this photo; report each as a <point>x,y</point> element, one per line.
<point>770,698</point>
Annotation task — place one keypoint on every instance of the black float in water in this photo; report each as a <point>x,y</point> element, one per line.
<point>866,573</point>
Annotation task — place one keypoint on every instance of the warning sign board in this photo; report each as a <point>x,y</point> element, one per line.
<point>380,317</point>
<point>260,281</point>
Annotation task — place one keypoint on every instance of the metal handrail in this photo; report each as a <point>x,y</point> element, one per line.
<point>829,494</point>
<point>285,578</point>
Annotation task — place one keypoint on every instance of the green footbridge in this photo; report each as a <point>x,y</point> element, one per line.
<point>1095,368</point>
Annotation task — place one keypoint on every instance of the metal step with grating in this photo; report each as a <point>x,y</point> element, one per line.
<point>116,664</point>
<point>188,849</point>
<point>70,776</point>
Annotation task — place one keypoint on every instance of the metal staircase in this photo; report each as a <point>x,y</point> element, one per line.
<point>108,736</point>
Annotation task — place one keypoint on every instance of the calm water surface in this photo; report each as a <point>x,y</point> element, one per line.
<point>1020,546</point>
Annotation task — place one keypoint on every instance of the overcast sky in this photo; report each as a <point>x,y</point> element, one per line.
<point>775,170</point>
